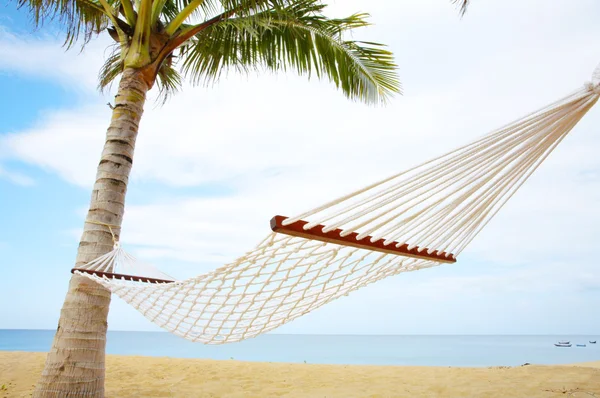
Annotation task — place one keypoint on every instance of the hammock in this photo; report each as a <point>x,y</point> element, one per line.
<point>416,219</point>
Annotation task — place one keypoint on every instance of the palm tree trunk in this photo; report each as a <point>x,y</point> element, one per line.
<point>75,363</point>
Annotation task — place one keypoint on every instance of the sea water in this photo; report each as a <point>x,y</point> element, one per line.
<point>335,349</point>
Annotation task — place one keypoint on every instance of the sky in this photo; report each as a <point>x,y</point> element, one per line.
<point>214,164</point>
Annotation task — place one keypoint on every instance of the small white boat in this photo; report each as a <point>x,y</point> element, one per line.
<point>562,345</point>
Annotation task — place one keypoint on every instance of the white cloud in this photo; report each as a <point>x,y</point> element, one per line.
<point>45,57</point>
<point>282,145</point>
<point>68,142</point>
<point>541,278</point>
<point>16,177</point>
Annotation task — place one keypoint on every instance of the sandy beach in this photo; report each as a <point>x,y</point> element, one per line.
<point>134,376</point>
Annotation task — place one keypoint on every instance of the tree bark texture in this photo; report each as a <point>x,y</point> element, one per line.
<point>75,364</point>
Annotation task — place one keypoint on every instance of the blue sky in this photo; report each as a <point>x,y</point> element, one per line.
<point>531,271</point>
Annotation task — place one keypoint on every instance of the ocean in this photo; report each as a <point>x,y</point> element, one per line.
<point>477,351</point>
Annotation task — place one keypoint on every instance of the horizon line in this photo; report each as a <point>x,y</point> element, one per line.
<point>347,334</point>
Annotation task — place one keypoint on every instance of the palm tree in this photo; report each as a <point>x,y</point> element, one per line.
<point>156,43</point>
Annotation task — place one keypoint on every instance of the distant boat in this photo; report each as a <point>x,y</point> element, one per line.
<point>580,345</point>
<point>563,342</point>
<point>593,342</point>
<point>562,345</point>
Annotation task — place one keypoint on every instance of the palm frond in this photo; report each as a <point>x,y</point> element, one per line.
<point>299,37</point>
<point>112,68</point>
<point>250,7</point>
<point>463,5</point>
<point>78,18</point>
<point>172,8</point>
<point>168,80</point>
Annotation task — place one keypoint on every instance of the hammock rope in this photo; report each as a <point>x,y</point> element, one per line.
<point>416,219</point>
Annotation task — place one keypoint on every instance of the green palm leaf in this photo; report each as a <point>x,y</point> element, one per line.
<point>295,37</point>
<point>80,18</point>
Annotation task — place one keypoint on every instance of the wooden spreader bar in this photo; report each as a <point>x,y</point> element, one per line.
<point>316,233</point>
<point>122,276</point>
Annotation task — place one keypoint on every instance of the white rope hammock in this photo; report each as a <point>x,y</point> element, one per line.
<point>416,219</point>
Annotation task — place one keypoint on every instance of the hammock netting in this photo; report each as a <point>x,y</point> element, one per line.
<point>433,210</point>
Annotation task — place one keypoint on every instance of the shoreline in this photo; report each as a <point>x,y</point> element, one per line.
<point>586,364</point>
<point>132,376</point>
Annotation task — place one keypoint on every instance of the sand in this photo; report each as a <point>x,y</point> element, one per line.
<point>134,376</point>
